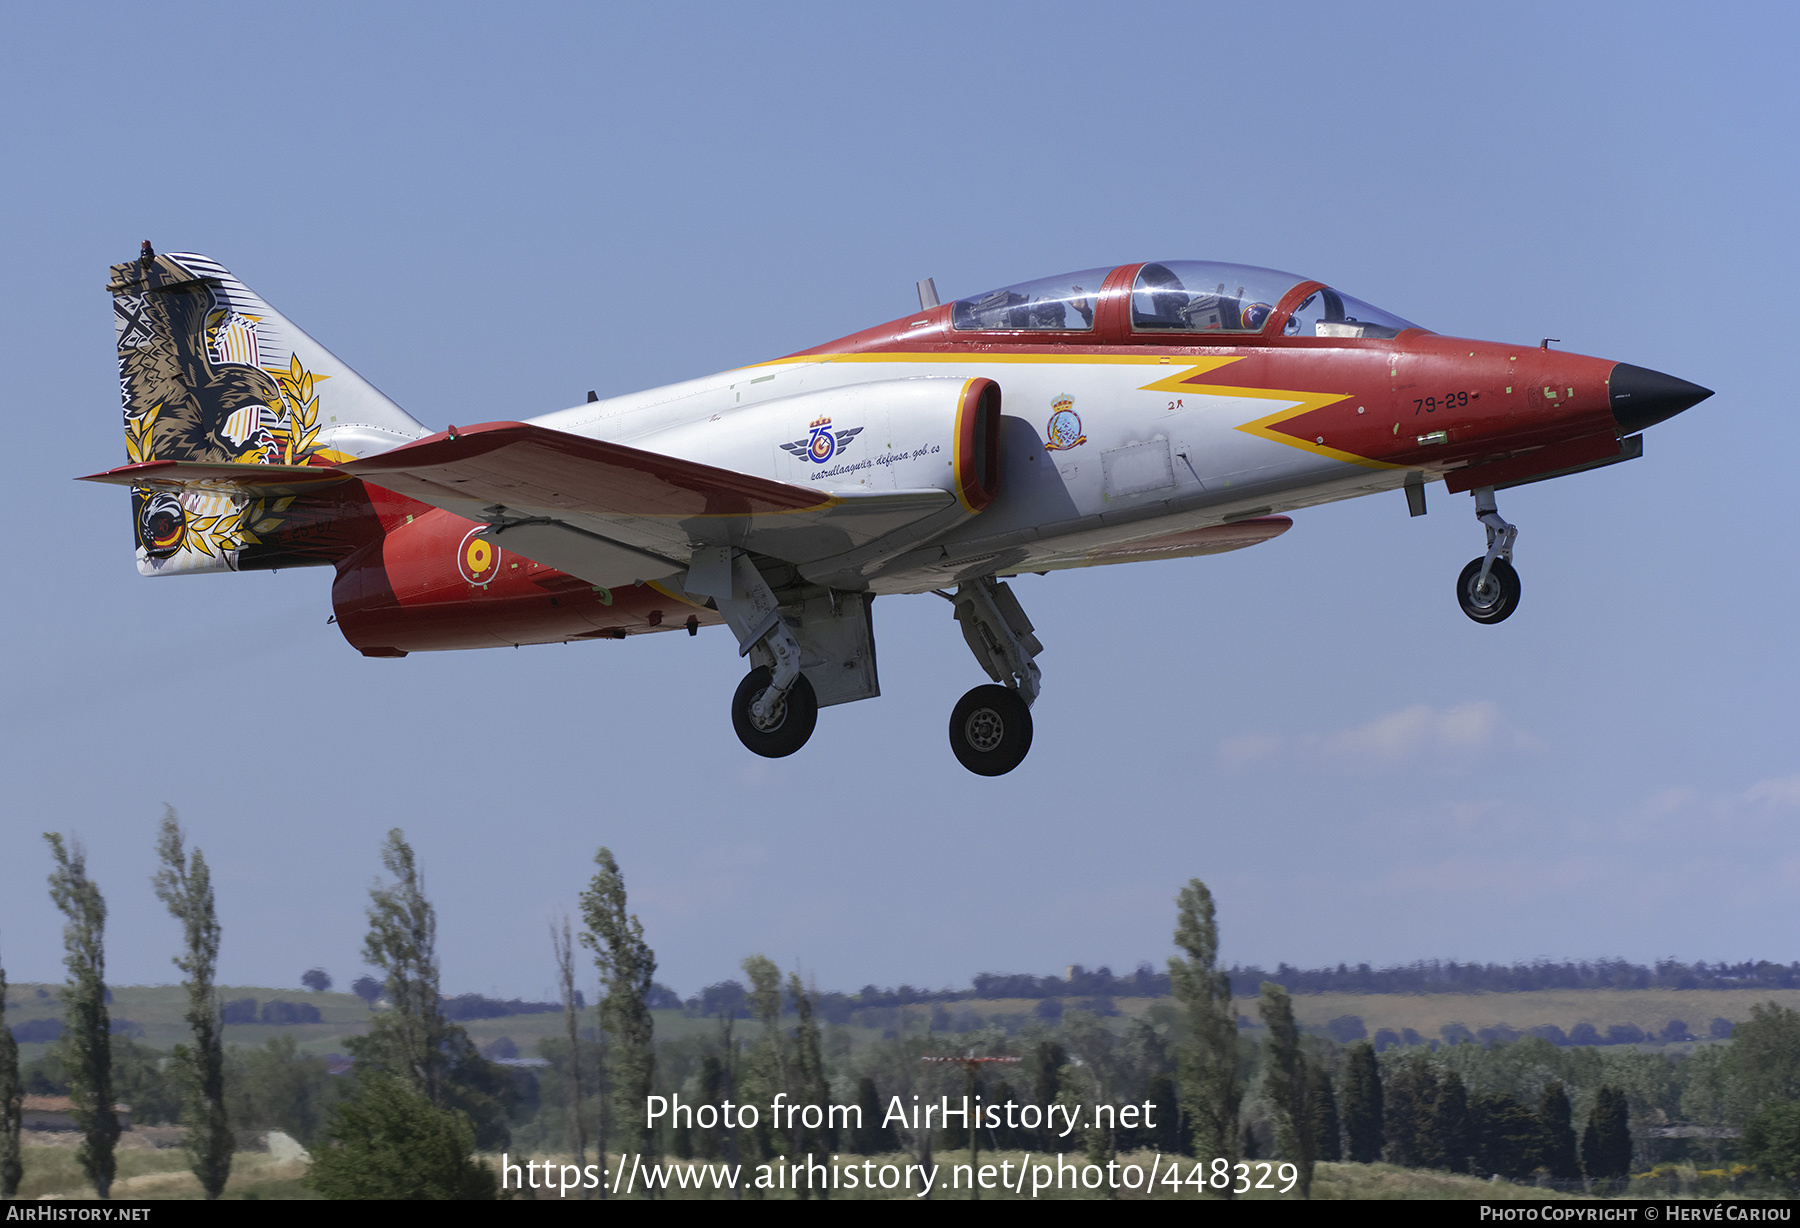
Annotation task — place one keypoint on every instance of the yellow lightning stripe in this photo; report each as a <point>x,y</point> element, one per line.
<point>1177,381</point>
<point>925,356</point>
<point>1308,401</point>
<point>1262,427</point>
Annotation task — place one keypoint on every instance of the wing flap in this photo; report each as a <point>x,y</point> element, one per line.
<point>593,558</point>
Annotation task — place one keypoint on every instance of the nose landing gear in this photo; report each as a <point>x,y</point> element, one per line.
<point>1488,588</point>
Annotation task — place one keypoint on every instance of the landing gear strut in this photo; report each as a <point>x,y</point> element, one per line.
<point>775,707</point>
<point>1488,589</point>
<point>990,727</point>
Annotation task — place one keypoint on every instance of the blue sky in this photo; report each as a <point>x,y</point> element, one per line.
<point>489,210</point>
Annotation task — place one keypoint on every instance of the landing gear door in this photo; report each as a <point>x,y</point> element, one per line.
<point>837,646</point>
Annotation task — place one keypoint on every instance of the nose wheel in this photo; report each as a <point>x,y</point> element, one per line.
<point>779,729</point>
<point>1491,597</point>
<point>1488,589</point>
<point>990,730</point>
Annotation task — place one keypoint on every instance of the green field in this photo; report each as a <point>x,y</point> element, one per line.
<point>157,1010</point>
<point>1649,1009</point>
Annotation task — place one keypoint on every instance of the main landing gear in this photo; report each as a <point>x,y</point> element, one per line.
<point>777,704</point>
<point>990,727</point>
<point>1488,589</point>
<point>775,707</point>
<point>769,722</point>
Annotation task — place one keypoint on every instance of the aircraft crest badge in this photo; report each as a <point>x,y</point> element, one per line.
<point>821,443</point>
<point>1063,431</point>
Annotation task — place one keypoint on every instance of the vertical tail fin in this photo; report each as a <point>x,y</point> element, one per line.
<point>210,372</point>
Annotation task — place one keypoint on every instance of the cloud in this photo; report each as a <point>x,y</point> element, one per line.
<point>1249,748</point>
<point>1782,791</point>
<point>1420,730</point>
<point>1452,737</point>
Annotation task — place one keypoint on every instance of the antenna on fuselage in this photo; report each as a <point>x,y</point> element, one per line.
<point>928,294</point>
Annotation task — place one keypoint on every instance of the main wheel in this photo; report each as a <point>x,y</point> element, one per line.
<point>791,725</point>
<point>990,730</point>
<point>1490,602</point>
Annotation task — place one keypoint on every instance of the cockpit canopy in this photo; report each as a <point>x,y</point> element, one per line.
<point>1060,304</point>
<point>1179,296</point>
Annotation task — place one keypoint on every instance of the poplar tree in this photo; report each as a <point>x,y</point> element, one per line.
<point>185,887</point>
<point>1327,1129</point>
<point>1047,1089</point>
<point>12,1104</point>
<point>765,1006</point>
<point>1208,1064</point>
<point>1285,1084</point>
<point>564,947</point>
<point>409,1040</point>
<point>809,1053</point>
<point>426,1098</point>
<point>86,1045</point>
<point>768,1069</point>
<point>627,966</point>
<point>811,1086</point>
<point>1362,1104</point>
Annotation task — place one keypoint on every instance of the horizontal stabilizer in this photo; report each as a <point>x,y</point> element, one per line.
<point>224,479</point>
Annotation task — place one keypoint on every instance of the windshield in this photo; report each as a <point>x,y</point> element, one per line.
<point>1331,313</point>
<point>1064,304</point>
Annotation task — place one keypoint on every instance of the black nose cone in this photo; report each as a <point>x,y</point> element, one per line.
<point>1641,397</point>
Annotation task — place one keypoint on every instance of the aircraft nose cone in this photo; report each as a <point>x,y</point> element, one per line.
<point>1641,397</point>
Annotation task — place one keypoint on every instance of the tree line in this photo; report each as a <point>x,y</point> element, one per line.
<point>1422,976</point>
<point>421,1102</point>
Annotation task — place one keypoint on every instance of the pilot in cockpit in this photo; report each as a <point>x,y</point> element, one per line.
<point>1052,313</point>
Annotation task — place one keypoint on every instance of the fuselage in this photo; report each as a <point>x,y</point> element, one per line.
<point>1124,437</point>
<point>1161,437</point>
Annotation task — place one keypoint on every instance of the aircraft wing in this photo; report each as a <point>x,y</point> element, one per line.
<point>1188,543</point>
<point>613,514</point>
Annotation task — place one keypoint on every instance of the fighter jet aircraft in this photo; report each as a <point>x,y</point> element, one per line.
<point>1119,414</point>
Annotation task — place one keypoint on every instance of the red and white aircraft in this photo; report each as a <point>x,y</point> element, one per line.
<point>1148,411</point>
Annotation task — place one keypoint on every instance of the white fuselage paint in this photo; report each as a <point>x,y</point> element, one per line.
<point>1151,463</point>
